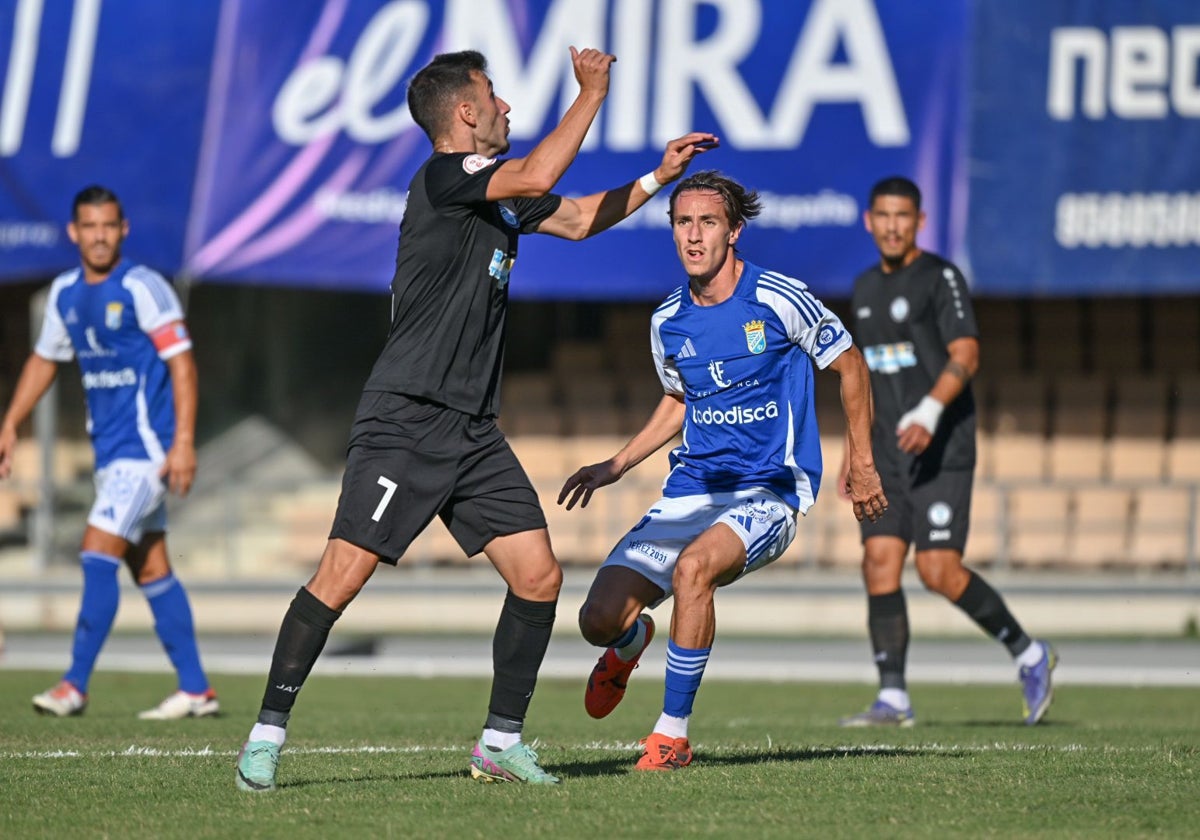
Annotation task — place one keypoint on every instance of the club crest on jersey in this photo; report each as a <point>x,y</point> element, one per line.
<point>476,163</point>
<point>112,314</point>
<point>756,336</point>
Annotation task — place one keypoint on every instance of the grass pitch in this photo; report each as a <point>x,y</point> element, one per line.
<point>387,757</point>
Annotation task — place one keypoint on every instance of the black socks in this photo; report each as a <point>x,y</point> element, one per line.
<point>887,621</point>
<point>301,638</point>
<point>987,609</point>
<point>522,636</point>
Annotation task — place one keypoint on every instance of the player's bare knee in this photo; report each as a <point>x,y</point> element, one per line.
<point>693,575</point>
<point>598,623</point>
<point>939,576</point>
<point>542,583</point>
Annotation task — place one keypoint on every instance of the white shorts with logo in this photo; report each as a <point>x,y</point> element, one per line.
<point>765,524</point>
<point>130,499</point>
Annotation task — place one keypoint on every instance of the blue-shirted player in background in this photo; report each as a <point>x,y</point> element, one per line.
<point>734,348</point>
<point>124,325</point>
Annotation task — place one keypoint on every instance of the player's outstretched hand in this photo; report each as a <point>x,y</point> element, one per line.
<point>179,468</point>
<point>591,69</point>
<point>681,152</point>
<point>866,492</point>
<point>586,481</point>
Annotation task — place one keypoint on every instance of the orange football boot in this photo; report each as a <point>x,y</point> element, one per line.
<point>606,684</point>
<point>662,752</point>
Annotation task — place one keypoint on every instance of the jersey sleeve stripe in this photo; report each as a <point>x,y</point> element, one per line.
<point>789,294</point>
<point>671,300</point>
<point>798,288</point>
<point>156,286</point>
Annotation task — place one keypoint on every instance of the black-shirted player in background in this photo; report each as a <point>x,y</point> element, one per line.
<point>424,442</point>
<point>915,324</point>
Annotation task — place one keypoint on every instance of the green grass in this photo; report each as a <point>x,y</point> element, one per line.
<point>387,757</point>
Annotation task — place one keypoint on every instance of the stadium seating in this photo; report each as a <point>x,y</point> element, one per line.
<point>1080,421</point>
<point>1163,528</point>
<point>1137,448</point>
<point>1089,449</point>
<point>1039,518</point>
<point>1099,533</point>
<point>1019,420</point>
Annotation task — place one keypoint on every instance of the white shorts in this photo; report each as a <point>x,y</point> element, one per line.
<point>130,499</point>
<point>764,522</point>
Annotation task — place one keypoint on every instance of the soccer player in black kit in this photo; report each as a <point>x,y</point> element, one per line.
<point>424,442</point>
<point>916,326</point>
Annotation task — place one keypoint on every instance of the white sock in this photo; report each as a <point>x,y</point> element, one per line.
<point>635,647</point>
<point>265,732</point>
<point>897,698</point>
<point>673,727</point>
<point>1031,656</point>
<point>498,740</point>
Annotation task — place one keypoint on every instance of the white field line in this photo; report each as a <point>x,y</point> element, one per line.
<point>134,751</point>
<point>481,666</point>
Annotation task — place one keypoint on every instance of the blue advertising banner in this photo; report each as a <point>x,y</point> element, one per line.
<point>1085,177</point>
<point>109,93</point>
<point>269,142</point>
<point>309,146</point>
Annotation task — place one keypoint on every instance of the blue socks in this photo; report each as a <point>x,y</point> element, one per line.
<point>97,611</point>
<point>173,624</point>
<point>685,670</point>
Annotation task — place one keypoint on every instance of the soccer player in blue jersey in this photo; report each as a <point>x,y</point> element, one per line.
<point>124,325</point>
<point>914,319</point>
<point>735,348</point>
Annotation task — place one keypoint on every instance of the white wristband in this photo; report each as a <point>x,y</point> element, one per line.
<point>649,183</point>
<point>927,414</point>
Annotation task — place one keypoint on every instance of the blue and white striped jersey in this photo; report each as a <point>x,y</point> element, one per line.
<point>122,330</point>
<point>744,368</point>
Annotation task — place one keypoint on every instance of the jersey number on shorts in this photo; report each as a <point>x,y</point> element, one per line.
<point>389,489</point>
<point>645,520</point>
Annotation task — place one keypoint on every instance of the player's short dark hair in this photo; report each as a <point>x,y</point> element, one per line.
<point>896,185</point>
<point>741,205</point>
<point>95,195</point>
<point>434,91</point>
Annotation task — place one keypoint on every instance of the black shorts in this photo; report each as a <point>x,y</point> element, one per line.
<point>933,512</point>
<point>410,460</point>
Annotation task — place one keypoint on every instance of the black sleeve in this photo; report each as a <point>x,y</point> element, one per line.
<point>952,302</point>
<point>457,183</point>
<point>533,211</point>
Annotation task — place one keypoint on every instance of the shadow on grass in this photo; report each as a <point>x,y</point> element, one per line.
<point>1007,723</point>
<point>727,758</point>
<point>360,778</point>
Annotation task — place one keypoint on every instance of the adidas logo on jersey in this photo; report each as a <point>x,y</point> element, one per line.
<point>687,350</point>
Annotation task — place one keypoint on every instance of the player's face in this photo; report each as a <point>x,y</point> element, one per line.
<point>491,117</point>
<point>98,230</point>
<point>893,221</point>
<point>703,236</point>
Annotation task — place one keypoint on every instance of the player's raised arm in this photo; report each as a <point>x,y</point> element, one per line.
<point>579,218</point>
<point>538,172</point>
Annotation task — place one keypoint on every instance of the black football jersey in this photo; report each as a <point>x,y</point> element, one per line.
<point>450,291</point>
<point>903,323</point>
